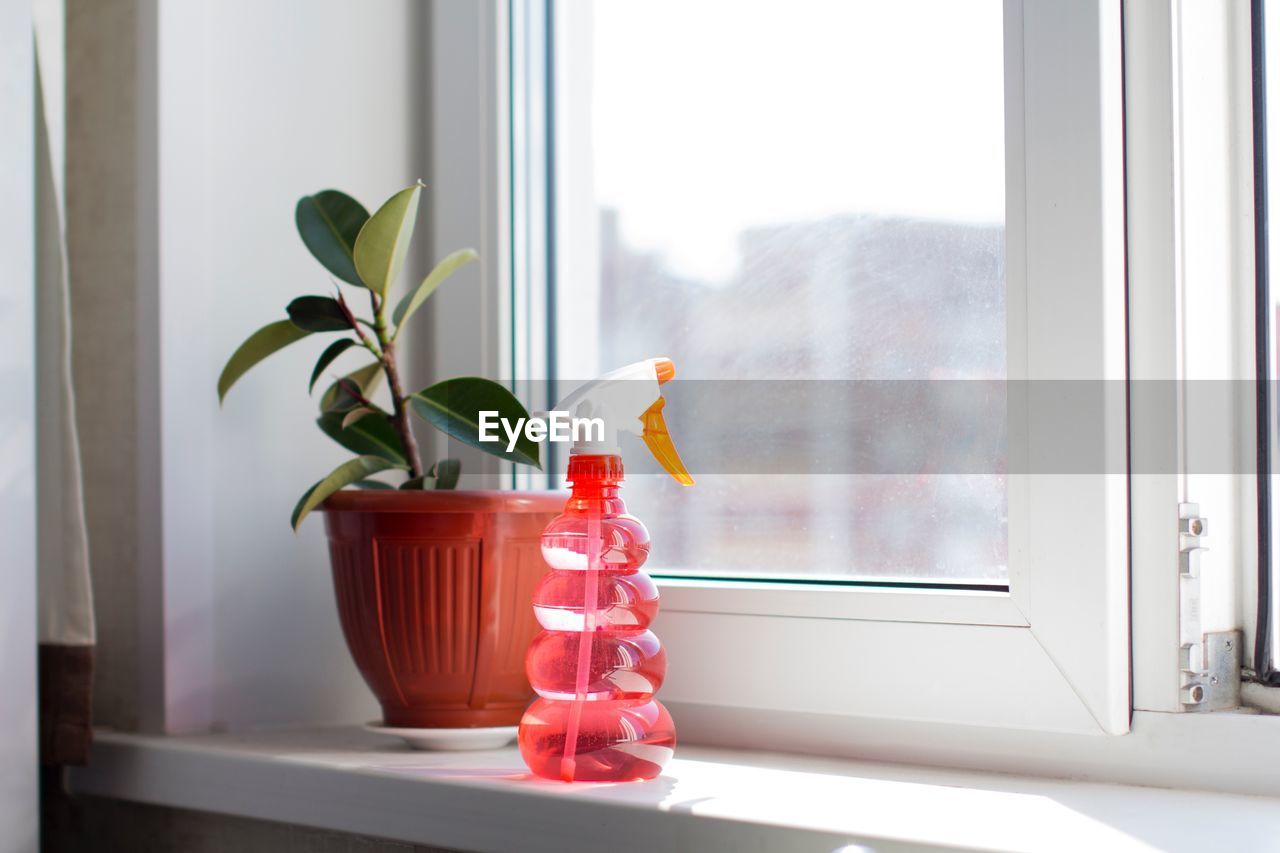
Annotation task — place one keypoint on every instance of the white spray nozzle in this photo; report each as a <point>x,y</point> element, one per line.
<point>627,400</point>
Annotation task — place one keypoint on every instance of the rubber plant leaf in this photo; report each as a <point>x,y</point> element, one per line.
<point>329,223</point>
<point>318,314</point>
<point>356,414</point>
<point>418,483</point>
<point>373,485</point>
<point>371,436</point>
<point>351,471</point>
<point>338,397</point>
<point>454,405</point>
<point>384,240</point>
<point>446,472</point>
<point>262,343</point>
<point>413,300</point>
<point>327,357</point>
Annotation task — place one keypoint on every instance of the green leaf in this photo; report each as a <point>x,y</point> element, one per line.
<point>384,240</point>
<point>421,482</point>
<point>356,414</point>
<point>446,472</point>
<point>413,301</point>
<point>329,223</point>
<point>344,475</point>
<point>262,343</point>
<point>373,485</point>
<point>454,407</point>
<point>336,398</point>
<point>331,352</point>
<point>318,314</point>
<point>367,436</point>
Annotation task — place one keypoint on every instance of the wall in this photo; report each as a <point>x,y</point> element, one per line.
<point>259,104</point>
<point>193,129</point>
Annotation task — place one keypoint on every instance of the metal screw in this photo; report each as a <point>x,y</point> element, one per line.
<point>1230,645</point>
<point>1213,679</point>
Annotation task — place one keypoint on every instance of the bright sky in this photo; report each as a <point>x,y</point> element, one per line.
<point>712,115</point>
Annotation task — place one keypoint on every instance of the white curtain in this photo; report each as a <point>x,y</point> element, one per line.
<point>66,624</point>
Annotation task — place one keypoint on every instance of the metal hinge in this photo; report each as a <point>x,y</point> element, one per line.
<point>1210,663</point>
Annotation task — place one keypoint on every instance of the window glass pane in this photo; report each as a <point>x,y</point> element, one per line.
<point>800,190</point>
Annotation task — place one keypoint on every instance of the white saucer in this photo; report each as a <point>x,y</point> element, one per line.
<point>449,739</point>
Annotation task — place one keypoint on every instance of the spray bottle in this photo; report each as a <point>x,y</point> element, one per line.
<point>596,664</point>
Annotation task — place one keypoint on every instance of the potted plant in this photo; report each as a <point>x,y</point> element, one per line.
<point>433,585</point>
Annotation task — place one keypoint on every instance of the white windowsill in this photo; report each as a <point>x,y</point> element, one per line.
<point>348,780</point>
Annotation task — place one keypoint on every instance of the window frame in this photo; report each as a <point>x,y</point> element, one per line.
<point>1042,670</point>
<point>1191,293</point>
<point>1012,728</point>
<point>1263,654</point>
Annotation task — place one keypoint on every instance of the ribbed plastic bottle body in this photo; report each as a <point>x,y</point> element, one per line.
<point>595,669</point>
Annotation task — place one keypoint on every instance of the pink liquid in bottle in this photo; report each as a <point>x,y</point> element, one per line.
<point>596,665</point>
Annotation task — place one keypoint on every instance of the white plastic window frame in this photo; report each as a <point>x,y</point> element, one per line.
<point>1268,15</point>
<point>1191,289</point>
<point>1052,653</point>
<point>1024,682</point>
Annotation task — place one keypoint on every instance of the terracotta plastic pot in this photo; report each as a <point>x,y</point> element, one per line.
<point>434,591</point>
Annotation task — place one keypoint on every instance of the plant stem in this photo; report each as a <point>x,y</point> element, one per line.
<point>355,325</point>
<point>400,412</point>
